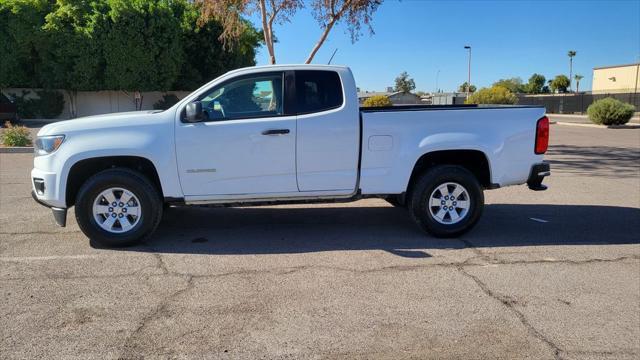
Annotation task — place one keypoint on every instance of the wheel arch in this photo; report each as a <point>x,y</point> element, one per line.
<point>85,168</point>
<point>473,160</point>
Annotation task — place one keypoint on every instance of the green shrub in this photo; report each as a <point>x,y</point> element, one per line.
<point>610,111</point>
<point>50,104</point>
<point>492,95</point>
<point>167,101</point>
<point>377,100</point>
<point>15,135</point>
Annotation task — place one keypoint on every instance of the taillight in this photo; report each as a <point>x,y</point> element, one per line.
<point>542,135</point>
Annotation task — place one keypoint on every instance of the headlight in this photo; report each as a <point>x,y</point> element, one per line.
<point>47,144</point>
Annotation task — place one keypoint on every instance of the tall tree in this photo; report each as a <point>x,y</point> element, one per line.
<point>21,41</point>
<point>230,15</point>
<point>513,84</point>
<point>404,83</point>
<point>206,56</point>
<point>570,54</point>
<point>142,46</point>
<point>535,84</point>
<point>577,78</point>
<point>71,32</point>
<point>128,45</point>
<point>463,88</point>
<point>330,12</point>
<point>559,83</point>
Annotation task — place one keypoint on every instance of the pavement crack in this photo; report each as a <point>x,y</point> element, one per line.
<point>129,350</point>
<point>474,261</point>
<point>160,263</point>
<point>509,303</point>
<point>564,261</point>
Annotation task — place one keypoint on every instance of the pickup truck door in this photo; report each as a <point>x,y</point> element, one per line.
<point>328,131</point>
<point>246,143</point>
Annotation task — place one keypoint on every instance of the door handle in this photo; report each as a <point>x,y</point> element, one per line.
<point>275,132</point>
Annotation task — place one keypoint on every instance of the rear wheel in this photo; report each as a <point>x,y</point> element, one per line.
<point>118,207</point>
<point>446,201</point>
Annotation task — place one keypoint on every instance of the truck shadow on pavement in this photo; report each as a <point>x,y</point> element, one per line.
<point>262,230</point>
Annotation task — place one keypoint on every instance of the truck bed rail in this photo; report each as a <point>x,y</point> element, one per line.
<point>413,107</point>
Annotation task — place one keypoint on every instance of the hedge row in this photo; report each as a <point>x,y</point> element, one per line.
<point>133,45</point>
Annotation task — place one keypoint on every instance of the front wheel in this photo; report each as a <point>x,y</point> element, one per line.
<point>118,207</point>
<point>447,201</point>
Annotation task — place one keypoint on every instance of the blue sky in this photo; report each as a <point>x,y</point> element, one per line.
<point>508,38</point>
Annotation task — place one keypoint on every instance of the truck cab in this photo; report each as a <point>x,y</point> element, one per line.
<point>296,131</point>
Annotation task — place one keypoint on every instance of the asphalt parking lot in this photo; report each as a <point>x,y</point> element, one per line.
<point>544,275</point>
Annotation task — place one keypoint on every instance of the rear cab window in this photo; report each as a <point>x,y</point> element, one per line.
<point>317,90</point>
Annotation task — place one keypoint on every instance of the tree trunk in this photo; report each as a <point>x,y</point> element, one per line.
<point>323,37</point>
<point>266,30</point>
<point>73,110</point>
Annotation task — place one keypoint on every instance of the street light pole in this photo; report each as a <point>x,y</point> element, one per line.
<point>469,71</point>
<point>437,78</point>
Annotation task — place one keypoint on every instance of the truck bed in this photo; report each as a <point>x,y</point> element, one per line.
<point>441,107</point>
<point>393,139</point>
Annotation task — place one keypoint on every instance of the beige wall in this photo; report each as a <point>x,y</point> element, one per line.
<point>404,99</point>
<point>626,79</point>
<point>104,102</point>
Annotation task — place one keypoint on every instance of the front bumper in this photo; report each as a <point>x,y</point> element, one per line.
<point>59,214</point>
<point>537,174</point>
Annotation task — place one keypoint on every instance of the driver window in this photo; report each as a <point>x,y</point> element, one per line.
<point>259,95</point>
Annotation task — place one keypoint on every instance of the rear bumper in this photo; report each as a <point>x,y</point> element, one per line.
<point>59,214</point>
<point>538,173</point>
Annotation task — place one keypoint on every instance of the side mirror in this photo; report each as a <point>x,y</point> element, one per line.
<point>193,112</point>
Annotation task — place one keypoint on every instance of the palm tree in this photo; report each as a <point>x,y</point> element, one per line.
<point>578,78</point>
<point>571,54</point>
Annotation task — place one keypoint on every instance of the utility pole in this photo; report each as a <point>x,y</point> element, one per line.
<point>635,91</point>
<point>469,70</point>
<point>571,54</point>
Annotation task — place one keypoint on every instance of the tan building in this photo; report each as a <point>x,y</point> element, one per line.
<point>397,97</point>
<point>616,79</point>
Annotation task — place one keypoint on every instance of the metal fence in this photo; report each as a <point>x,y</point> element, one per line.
<point>574,103</point>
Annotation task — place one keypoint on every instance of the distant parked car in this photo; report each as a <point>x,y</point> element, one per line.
<point>8,109</point>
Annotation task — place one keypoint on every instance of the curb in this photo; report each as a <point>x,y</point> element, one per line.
<point>567,115</point>
<point>599,126</point>
<point>585,116</point>
<point>16,149</point>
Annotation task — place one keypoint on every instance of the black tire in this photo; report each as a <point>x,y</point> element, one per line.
<point>427,183</point>
<point>144,190</point>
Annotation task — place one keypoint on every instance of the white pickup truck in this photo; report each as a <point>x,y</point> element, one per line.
<point>284,134</point>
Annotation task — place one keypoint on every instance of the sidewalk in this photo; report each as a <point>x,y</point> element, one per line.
<point>584,119</point>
